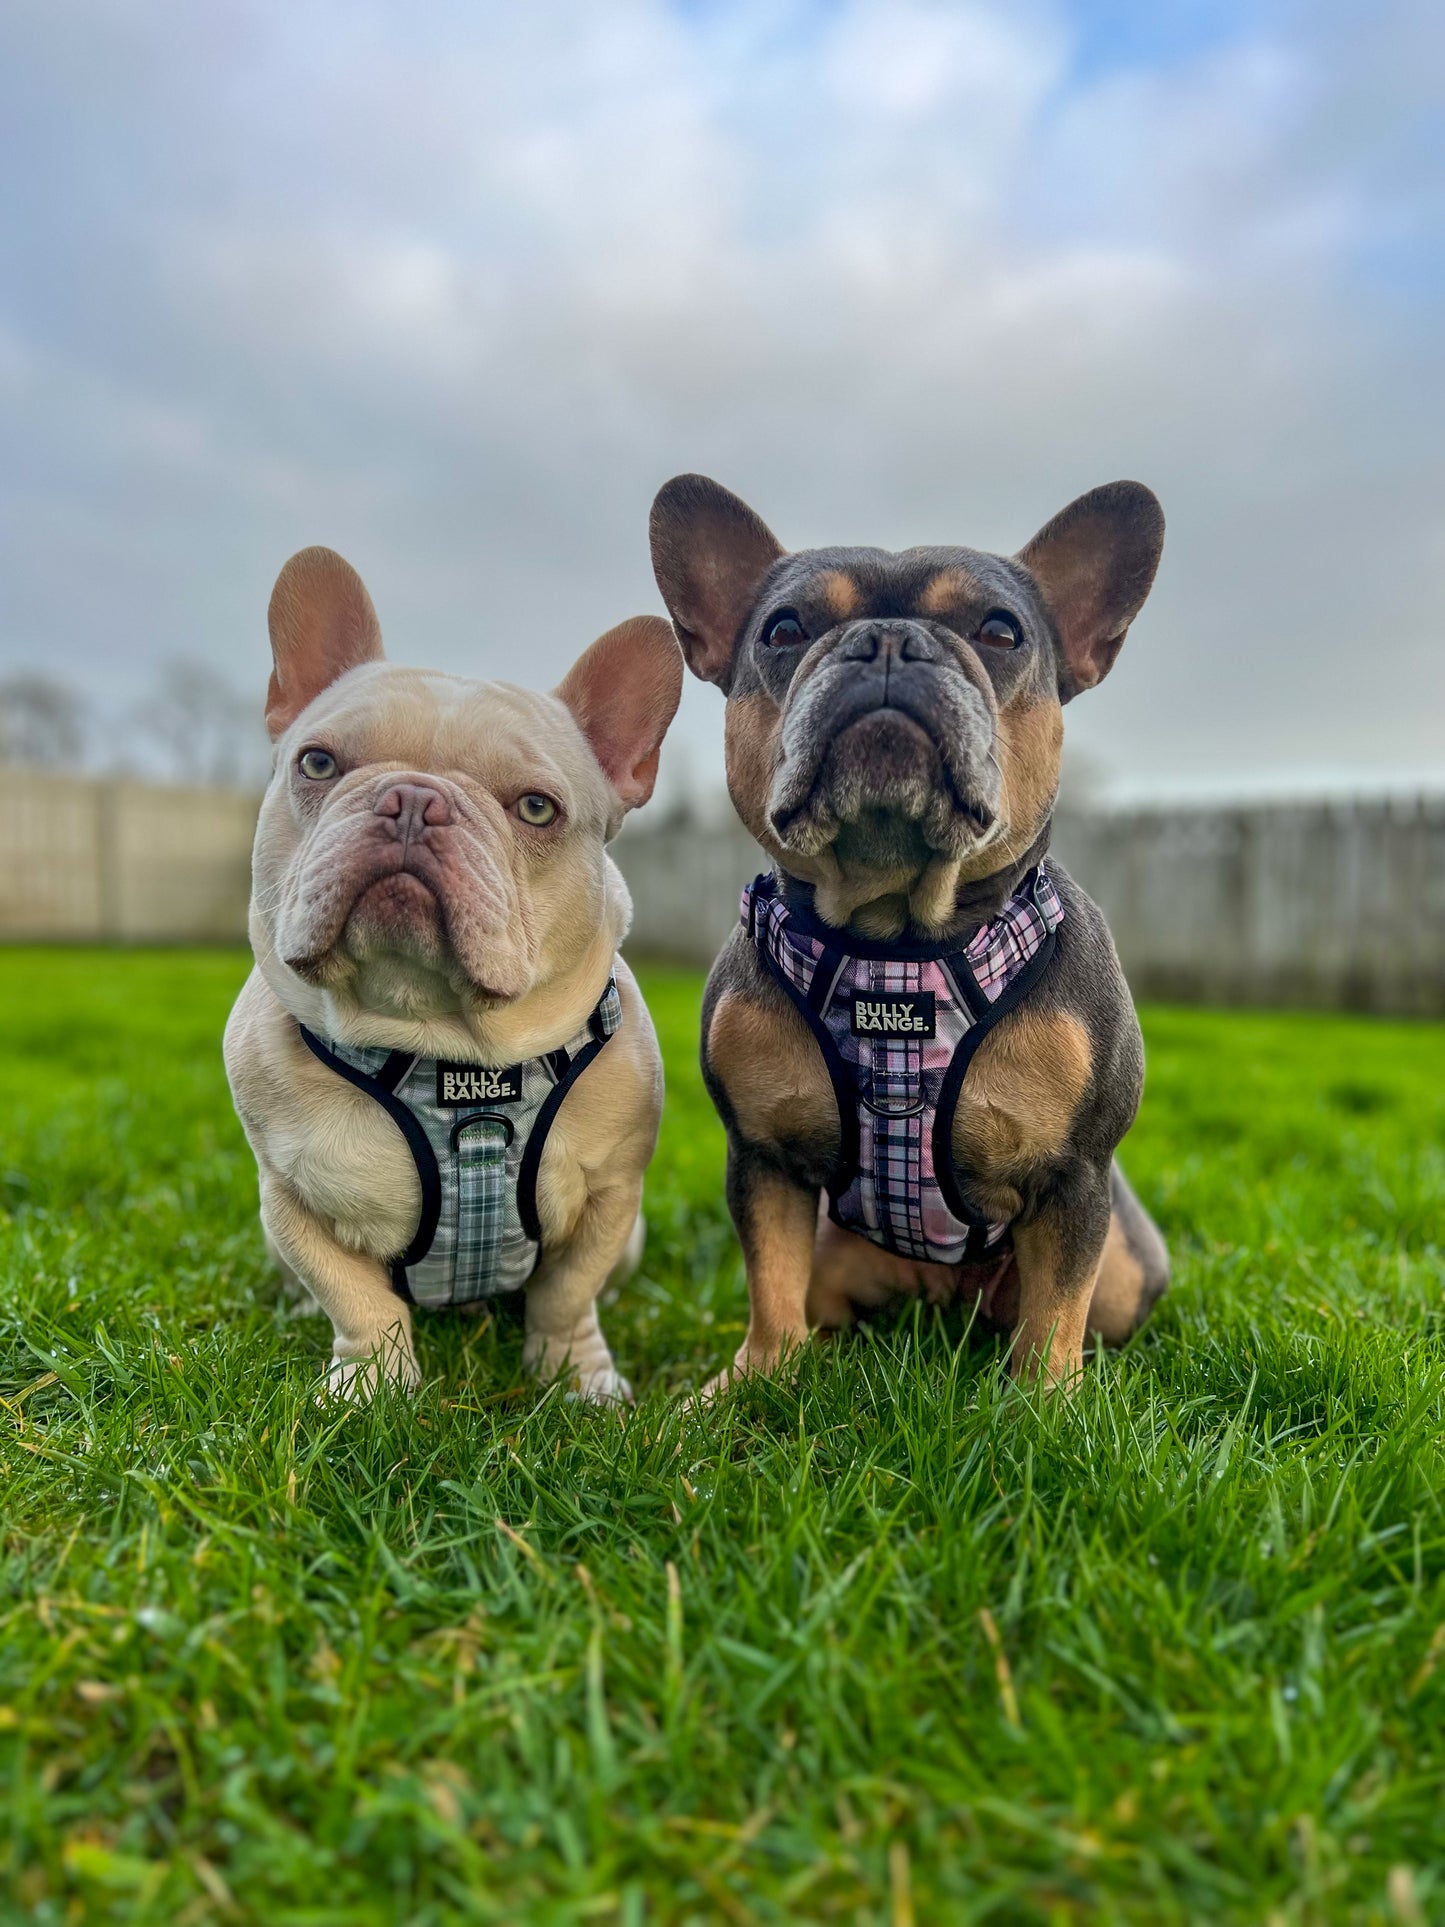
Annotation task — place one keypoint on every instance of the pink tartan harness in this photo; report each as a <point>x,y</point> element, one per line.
<point>898,1027</point>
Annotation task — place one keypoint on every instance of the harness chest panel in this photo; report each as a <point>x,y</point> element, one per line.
<point>897,1029</point>
<point>476,1135</point>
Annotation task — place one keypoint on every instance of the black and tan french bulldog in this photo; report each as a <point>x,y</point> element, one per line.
<point>893,733</point>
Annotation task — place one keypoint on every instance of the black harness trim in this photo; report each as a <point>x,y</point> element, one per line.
<point>541,1130</point>
<point>417,1141</point>
<point>945,1170</point>
<point>811,1008</point>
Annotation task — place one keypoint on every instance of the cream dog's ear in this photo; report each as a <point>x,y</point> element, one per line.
<point>322,624</point>
<point>624,692</point>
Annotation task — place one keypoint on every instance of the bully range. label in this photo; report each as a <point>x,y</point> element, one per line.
<point>474,1084</point>
<point>890,1013</point>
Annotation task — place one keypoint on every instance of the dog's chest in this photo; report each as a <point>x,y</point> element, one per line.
<point>356,1172</point>
<point>932,1156</point>
<point>440,1168</point>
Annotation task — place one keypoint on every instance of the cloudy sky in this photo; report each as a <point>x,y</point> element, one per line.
<point>454,287</point>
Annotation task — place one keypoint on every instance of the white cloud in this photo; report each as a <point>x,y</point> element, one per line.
<point>456,288</point>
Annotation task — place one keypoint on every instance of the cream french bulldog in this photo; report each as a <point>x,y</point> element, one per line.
<point>446,1072</point>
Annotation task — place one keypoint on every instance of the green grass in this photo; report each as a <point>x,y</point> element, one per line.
<point>884,1644</point>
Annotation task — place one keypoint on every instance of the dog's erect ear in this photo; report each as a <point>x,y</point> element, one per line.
<point>1095,563</point>
<point>624,692</point>
<point>322,624</point>
<point>709,553</point>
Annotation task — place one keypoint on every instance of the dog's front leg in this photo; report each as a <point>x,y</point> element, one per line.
<point>564,1337</point>
<point>777,1225</point>
<point>372,1326</point>
<point>1058,1251</point>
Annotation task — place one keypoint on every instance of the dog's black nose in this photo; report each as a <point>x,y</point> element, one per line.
<point>876,641</point>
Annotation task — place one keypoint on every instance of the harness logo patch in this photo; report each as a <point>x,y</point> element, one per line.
<point>475,1084</point>
<point>891,1013</point>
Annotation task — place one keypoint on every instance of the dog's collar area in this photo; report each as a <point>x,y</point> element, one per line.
<point>798,898</point>
<point>897,1027</point>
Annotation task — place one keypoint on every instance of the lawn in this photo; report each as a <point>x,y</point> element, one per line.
<point>885,1643</point>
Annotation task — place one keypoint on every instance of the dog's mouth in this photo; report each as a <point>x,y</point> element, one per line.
<point>399,918</point>
<point>891,785</point>
<point>401,899</point>
<point>399,915</point>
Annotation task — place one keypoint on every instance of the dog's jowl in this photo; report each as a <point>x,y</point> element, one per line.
<point>445,1070</point>
<point>920,1018</point>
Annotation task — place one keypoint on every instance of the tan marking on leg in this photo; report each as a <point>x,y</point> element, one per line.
<point>1118,1305</point>
<point>773,1072</point>
<point>949,589</point>
<point>1048,1341</point>
<point>778,1227</point>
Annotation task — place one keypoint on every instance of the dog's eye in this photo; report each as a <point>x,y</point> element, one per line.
<point>1001,630</point>
<point>783,629</point>
<point>319,764</point>
<point>536,809</point>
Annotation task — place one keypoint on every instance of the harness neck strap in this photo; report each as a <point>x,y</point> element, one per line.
<point>995,951</point>
<point>388,1067</point>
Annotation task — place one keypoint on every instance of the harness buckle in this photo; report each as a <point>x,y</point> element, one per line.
<point>914,1109</point>
<point>754,927</point>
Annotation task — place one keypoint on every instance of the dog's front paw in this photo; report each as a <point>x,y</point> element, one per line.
<point>752,1357</point>
<point>748,1361</point>
<point>585,1369</point>
<point>719,1383</point>
<point>359,1379</point>
<point>605,1387</point>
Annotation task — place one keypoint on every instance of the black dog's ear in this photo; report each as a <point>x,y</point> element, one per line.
<point>709,553</point>
<point>1095,563</point>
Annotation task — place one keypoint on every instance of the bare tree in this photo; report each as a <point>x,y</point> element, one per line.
<point>43,721</point>
<point>203,729</point>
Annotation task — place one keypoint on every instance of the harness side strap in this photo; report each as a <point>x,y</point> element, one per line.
<point>537,1142</point>
<point>944,1169</point>
<point>417,1142</point>
<point>566,1068</point>
<point>825,975</point>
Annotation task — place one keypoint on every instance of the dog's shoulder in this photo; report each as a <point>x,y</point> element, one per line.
<point>611,1115</point>
<point>762,1066</point>
<point>1060,1076</point>
<point>266,1061</point>
<point>1087,978</point>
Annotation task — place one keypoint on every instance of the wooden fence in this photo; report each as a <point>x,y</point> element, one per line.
<point>122,861</point>
<point>1335,904</point>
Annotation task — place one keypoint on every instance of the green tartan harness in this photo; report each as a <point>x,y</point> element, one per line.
<point>476,1135</point>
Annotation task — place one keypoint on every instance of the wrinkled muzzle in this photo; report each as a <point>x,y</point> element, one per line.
<point>410,868</point>
<point>889,730</point>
